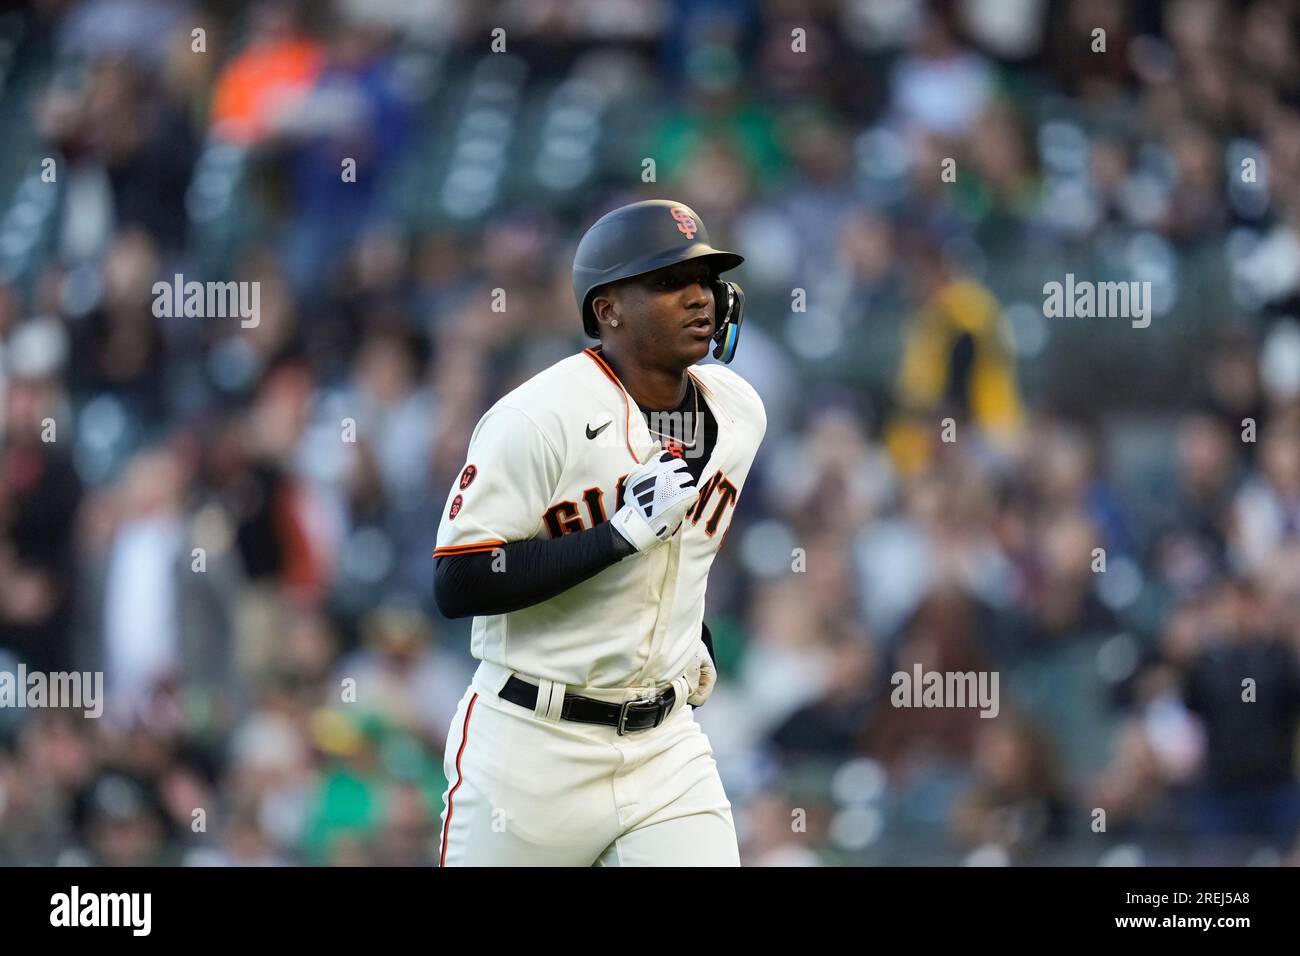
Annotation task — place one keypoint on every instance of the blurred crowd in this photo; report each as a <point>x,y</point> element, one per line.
<point>235,524</point>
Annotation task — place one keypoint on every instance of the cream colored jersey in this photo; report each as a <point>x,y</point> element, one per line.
<point>534,472</point>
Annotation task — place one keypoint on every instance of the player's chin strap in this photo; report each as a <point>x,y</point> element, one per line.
<point>729,301</point>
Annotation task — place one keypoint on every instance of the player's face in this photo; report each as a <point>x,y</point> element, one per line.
<point>670,313</point>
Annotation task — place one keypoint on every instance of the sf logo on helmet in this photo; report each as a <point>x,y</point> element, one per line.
<point>685,222</point>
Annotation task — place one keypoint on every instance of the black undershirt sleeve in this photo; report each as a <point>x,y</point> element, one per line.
<point>534,571</point>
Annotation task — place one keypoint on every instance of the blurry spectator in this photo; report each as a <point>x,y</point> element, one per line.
<point>1266,513</point>
<point>844,482</point>
<point>832,725</point>
<point>1015,801</point>
<point>1073,57</point>
<point>1233,386</point>
<point>146,568</point>
<point>856,336</point>
<point>54,758</point>
<point>715,112</point>
<point>356,110</point>
<point>122,824</point>
<point>1132,790</point>
<point>770,839</point>
<point>39,494</point>
<point>1245,687</point>
<point>940,87</point>
<point>118,347</point>
<point>1193,520</point>
<point>786,663</point>
<point>399,677</point>
<point>941,636</point>
<point>1067,476</point>
<point>269,77</point>
<point>1061,598</point>
<point>956,364</point>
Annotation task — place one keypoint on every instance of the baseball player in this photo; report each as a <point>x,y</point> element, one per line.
<point>580,536</point>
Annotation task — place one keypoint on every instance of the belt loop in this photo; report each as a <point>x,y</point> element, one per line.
<point>682,686</point>
<point>550,700</point>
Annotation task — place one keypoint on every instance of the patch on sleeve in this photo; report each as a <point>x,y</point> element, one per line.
<point>467,477</point>
<point>455,507</point>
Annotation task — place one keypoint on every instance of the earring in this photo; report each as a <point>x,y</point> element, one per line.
<point>613,323</point>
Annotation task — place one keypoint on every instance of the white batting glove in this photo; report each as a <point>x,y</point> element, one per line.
<point>701,675</point>
<point>656,498</point>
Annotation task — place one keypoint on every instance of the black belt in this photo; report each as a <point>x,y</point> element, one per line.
<point>628,717</point>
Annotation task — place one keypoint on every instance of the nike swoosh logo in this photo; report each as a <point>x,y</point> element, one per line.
<point>593,434</point>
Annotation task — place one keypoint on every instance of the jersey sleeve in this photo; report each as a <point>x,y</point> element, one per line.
<point>761,412</point>
<point>501,494</point>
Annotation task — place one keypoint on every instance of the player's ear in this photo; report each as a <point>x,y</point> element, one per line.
<point>606,305</point>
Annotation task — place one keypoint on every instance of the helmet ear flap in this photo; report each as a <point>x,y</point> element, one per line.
<point>729,305</point>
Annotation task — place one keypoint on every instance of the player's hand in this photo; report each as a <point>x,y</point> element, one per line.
<point>701,675</point>
<point>656,498</point>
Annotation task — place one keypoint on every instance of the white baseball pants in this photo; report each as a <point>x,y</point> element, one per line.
<point>530,790</point>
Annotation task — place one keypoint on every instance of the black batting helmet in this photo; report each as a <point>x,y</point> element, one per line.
<point>636,239</point>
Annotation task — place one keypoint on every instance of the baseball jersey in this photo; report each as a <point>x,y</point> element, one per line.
<point>550,458</point>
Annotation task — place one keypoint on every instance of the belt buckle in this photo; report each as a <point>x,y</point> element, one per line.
<point>655,703</point>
